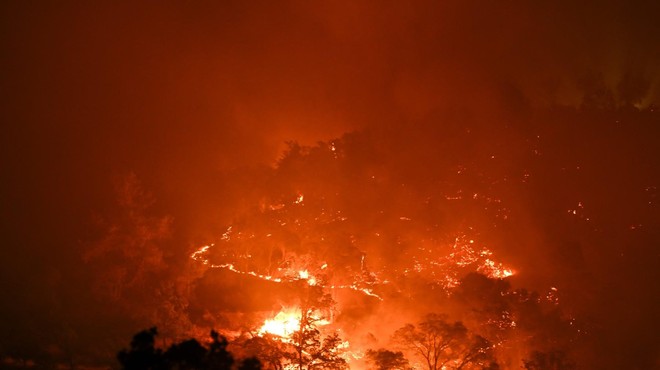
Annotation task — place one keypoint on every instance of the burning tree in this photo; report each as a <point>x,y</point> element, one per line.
<point>293,337</point>
<point>302,349</point>
<point>312,352</point>
<point>445,345</point>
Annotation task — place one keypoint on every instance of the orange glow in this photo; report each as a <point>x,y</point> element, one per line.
<point>284,324</point>
<point>269,170</point>
<point>495,270</point>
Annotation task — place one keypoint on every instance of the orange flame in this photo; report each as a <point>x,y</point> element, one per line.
<point>284,324</point>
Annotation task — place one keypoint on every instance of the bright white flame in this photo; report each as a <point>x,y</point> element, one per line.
<point>283,324</point>
<point>304,275</point>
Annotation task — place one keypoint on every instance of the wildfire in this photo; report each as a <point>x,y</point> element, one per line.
<point>446,270</point>
<point>284,324</point>
<point>288,275</point>
<point>465,255</point>
<point>304,275</point>
<point>289,321</point>
<point>495,270</point>
<point>262,254</point>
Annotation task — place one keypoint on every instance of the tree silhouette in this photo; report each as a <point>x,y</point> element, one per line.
<point>327,355</point>
<point>218,357</point>
<point>189,354</point>
<point>310,352</point>
<point>383,359</point>
<point>445,345</point>
<point>305,340</point>
<point>142,355</point>
<point>518,317</point>
<point>270,351</point>
<point>250,363</point>
<point>186,355</point>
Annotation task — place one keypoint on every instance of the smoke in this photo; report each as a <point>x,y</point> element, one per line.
<point>447,113</point>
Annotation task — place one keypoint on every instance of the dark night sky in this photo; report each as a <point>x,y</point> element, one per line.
<point>182,93</point>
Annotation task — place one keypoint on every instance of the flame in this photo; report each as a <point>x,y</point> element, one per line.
<point>288,321</point>
<point>495,270</point>
<point>304,275</point>
<point>284,324</point>
<point>465,253</point>
<point>199,256</point>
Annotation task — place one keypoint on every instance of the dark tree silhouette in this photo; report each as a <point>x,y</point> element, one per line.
<point>305,340</point>
<point>519,317</point>
<point>327,355</point>
<point>250,364</point>
<point>186,355</point>
<point>270,351</point>
<point>383,359</point>
<point>218,357</point>
<point>189,354</point>
<point>445,345</point>
<point>142,354</point>
<point>310,352</point>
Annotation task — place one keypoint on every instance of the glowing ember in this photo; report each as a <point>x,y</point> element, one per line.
<point>495,270</point>
<point>197,255</point>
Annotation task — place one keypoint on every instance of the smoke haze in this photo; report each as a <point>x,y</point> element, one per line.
<point>135,133</point>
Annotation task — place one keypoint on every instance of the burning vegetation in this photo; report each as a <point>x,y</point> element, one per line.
<point>346,255</point>
<point>340,255</point>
